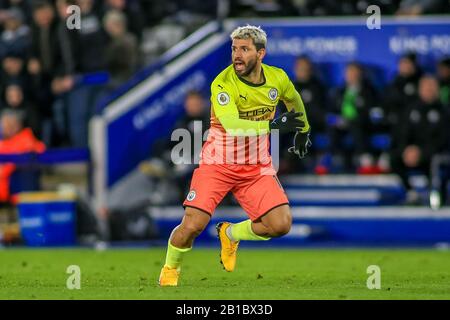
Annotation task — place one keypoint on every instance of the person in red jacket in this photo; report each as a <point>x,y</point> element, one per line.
<point>14,139</point>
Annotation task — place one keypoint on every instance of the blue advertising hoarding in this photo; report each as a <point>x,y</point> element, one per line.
<point>332,44</point>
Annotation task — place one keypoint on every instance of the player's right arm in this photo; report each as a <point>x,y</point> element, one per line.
<point>223,103</point>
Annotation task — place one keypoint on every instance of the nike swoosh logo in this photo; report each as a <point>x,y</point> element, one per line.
<point>245,98</point>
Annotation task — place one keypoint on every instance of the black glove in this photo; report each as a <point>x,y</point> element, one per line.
<point>301,144</point>
<point>287,122</point>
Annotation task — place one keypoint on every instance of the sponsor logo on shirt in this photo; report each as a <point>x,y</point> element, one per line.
<point>258,112</point>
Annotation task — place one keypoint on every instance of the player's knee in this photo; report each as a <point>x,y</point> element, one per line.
<point>192,229</point>
<point>281,226</point>
<point>194,222</point>
<point>280,229</point>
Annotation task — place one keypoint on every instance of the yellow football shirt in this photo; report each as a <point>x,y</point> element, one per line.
<point>238,104</point>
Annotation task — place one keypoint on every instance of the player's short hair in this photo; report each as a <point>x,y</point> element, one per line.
<point>255,33</point>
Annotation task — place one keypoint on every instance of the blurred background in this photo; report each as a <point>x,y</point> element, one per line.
<point>87,115</point>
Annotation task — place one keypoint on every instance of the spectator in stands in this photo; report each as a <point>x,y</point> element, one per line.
<point>122,50</point>
<point>419,7</point>
<point>92,39</point>
<point>196,121</point>
<point>158,181</point>
<point>262,8</point>
<point>313,94</point>
<point>66,67</point>
<point>401,93</point>
<point>12,70</point>
<point>41,63</point>
<point>68,54</point>
<point>88,43</point>
<point>15,100</point>
<point>274,8</point>
<point>352,106</point>
<point>44,41</point>
<point>196,109</point>
<point>15,37</point>
<point>346,7</point>
<point>422,134</point>
<point>191,14</point>
<point>22,5</point>
<point>132,10</point>
<point>15,138</point>
<point>443,73</point>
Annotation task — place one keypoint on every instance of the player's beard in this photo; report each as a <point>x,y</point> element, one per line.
<point>250,66</point>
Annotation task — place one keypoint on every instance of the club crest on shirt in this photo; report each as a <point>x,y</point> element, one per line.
<point>273,94</point>
<point>191,195</point>
<point>223,98</point>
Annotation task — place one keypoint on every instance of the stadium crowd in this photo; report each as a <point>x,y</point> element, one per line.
<point>44,64</point>
<point>358,127</point>
<point>396,128</point>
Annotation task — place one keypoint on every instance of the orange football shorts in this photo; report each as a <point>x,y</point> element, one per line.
<point>257,191</point>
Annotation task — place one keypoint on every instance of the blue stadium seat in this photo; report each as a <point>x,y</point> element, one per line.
<point>321,141</point>
<point>381,142</point>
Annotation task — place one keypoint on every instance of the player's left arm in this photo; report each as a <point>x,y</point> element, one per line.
<point>293,101</point>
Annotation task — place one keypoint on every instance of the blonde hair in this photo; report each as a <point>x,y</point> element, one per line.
<point>255,33</point>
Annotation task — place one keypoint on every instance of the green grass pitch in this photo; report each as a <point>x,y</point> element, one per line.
<point>260,274</point>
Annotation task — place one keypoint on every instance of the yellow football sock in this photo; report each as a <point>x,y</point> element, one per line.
<point>174,256</point>
<point>243,231</point>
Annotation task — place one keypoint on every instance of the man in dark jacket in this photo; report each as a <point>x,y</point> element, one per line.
<point>42,63</point>
<point>352,105</point>
<point>16,34</point>
<point>421,134</point>
<point>92,39</point>
<point>314,95</point>
<point>122,50</point>
<point>402,91</point>
<point>15,99</point>
<point>312,91</point>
